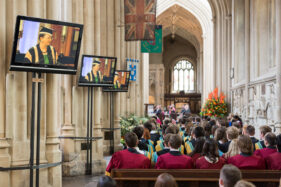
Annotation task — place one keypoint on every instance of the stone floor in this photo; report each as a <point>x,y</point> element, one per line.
<point>82,181</point>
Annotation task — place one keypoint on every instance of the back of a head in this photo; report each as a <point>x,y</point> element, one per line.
<point>245,144</point>
<point>270,138</point>
<point>243,183</point>
<point>175,141</point>
<point>106,181</point>
<point>233,149</point>
<point>265,129</point>
<point>230,174</point>
<point>167,138</point>
<point>232,132</point>
<point>165,180</point>
<point>171,129</point>
<point>210,150</point>
<point>199,143</point>
<point>279,142</point>
<point>164,127</point>
<point>138,130</point>
<point>147,125</point>
<point>212,122</point>
<point>199,132</point>
<point>146,134</point>
<point>131,139</point>
<point>167,121</point>
<point>250,130</point>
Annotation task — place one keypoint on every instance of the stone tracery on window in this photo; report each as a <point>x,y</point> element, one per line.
<point>183,76</point>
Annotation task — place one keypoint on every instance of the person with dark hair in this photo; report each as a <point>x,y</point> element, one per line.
<point>138,130</point>
<point>263,130</point>
<point>106,181</point>
<point>250,131</point>
<point>246,159</point>
<point>229,175</point>
<point>126,159</point>
<point>154,134</point>
<point>196,153</point>
<point>214,128</point>
<point>208,130</point>
<point>165,180</point>
<point>210,158</point>
<point>174,159</point>
<point>273,161</point>
<point>212,122</point>
<point>195,133</point>
<point>148,126</point>
<point>270,143</point>
<point>231,133</point>
<point>165,149</point>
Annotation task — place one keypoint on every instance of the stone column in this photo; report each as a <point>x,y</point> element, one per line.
<point>278,63</point>
<point>247,59</point>
<point>53,153</point>
<point>5,158</point>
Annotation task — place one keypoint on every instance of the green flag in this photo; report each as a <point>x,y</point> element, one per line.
<point>153,46</point>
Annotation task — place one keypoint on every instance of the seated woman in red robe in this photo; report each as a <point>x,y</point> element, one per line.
<point>273,161</point>
<point>196,153</point>
<point>246,159</point>
<point>174,159</point>
<point>129,158</point>
<point>270,143</point>
<point>210,158</point>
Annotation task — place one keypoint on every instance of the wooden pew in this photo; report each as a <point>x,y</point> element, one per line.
<point>191,177</point>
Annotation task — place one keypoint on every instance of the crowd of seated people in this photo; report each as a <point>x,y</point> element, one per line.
<point>198,143</point>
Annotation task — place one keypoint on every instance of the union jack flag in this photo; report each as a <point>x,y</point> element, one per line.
<point>140,18</point>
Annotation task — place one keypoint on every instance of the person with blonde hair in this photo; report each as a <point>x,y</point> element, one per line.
<point>231,133</point>
<point>165,180</point>
<point>232,150</point>
<point>243,183</point>
<point>246,159</point>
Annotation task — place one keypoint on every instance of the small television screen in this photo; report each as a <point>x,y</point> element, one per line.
<point>47,46</point>
<point>120,82</point>
<point>97,71</point>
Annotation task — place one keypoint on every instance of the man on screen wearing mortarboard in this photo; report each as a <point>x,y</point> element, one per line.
<point>43,52</point>
<point>95,75</point>
<point>116,82</point>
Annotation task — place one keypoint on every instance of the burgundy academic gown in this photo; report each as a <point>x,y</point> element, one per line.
<point>195,157</point>
<point>265,152</point>
<point>243,161</point>
<point>128,159</point>
<point>273,161</point>
<point>174,160</point>
<point>202,163</point>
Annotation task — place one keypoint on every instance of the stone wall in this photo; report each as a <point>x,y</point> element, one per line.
<point>64,105</point>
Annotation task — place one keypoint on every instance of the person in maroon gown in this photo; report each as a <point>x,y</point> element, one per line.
<point>246,159</point>
<point>270,143</point>
<point>273,161</point>
<point>210,158</point>
<point>129,158</point>
<point>196,153</point>
<point>174,159</point>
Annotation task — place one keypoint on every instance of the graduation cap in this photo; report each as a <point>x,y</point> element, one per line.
<point>116,73</point>
<point>45,30</point>
<point>95,62</point>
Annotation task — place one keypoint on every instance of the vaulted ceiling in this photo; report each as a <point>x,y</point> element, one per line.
<point>179,21</point>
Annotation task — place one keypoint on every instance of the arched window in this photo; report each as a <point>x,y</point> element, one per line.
<point>183,76</point>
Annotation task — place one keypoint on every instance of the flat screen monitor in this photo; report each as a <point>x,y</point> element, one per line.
<point>48,46</point>
<point>97,71</point>
<point>120,82</point>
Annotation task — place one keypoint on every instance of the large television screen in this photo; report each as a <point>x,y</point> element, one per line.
<point>97,71</point>
<point>47,46</point>
<point>120,82</point>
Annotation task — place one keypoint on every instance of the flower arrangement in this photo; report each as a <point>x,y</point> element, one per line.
<point>215,105</point>
<point>128,123</point>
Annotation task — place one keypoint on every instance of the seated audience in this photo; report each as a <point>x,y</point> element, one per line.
<point>196,133</point>
<point>174,159</point>
<point>154,134</point>
<point>106,181</point>
<point>250,131</point>
<point>187,132</point>
<point>232,150</point>
<point>220,137</point>
<point>210,158</point>
<point>214,128</point>
<point>231,133</point>
<point>273,161</point>
<point>229,175</point>
<point>246,159</point>
<point>138,130</point>
<point>165,180</point>
<point>126,159</point>
<point>270,143</point>
<point>243,183</point>
<point>263,130</point>
<point>196,153</point>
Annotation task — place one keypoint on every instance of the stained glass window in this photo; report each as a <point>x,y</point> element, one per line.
<point>183,76</point>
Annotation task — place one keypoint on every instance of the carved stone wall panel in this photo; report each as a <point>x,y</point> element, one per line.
<point>156,84</point>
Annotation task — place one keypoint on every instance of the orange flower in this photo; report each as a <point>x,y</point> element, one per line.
<point>215,93</point>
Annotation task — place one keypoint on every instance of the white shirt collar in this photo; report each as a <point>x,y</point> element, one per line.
<point>172,149</point>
